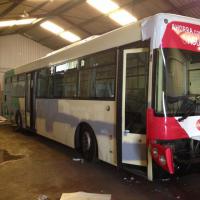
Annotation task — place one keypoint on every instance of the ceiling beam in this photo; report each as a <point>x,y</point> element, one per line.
<point>71,24</point>
<point>131,3</point>
<point>55,12</point>
<point>39,7</point>
<point>30,12</point>
<point>174,8</point>
<point>193,4</point>
<point>4,2</point>
<point>79,26</point>
<point>75,25</point>
<point>11,7</point>
<point>63,8</point>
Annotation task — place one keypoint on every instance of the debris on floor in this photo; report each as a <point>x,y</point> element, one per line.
<point>85,196</point>
<point>130,180</point>
<point>2,119</point>
<point>78,160</point>
<point>165,179</point>
<point>42,197</point>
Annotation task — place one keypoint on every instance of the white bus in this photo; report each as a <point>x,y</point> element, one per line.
<point>129,97</point>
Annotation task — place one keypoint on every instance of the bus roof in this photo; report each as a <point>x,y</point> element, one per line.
<point>128,34</point>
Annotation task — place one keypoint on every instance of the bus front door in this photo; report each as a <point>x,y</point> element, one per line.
<point>134,102</point>
<point>30,101</point>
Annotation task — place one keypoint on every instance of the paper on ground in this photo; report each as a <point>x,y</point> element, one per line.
<point>2,119</point>
<point>85,196</point>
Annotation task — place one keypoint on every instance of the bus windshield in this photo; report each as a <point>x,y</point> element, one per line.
<point>177,83</point>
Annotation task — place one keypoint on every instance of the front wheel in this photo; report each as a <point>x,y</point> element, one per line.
<point>88,143</point>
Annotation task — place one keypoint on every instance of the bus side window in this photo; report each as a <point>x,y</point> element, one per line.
<point>14,86</point>
<point>44,83</point>
<point>70,83</point>
<point>85,83</point>
<point>58,78</point>
<point>21,85</point>
<point>65,79</point>
<point>105,82</point>
<point>105,63</point>
<point>97,75</point>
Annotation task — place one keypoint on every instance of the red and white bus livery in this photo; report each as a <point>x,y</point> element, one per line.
<point>173,133</point>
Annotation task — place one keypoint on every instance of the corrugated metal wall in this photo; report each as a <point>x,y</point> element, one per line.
<point>16,50</point>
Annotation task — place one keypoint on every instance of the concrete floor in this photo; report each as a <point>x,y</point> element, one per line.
<point>35,165</point>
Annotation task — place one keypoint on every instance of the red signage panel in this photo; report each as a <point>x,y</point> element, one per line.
<point>182,35</point>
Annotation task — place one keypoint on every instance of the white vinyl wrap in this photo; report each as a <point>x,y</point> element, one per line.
<point>190,126</point>
<point>154,27</point>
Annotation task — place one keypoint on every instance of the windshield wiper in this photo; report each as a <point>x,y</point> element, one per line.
<point>188,107</point>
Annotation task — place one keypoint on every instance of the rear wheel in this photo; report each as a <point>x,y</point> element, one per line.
<point>88,143</point>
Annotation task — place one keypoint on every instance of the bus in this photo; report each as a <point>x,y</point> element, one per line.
<point>129,97</point>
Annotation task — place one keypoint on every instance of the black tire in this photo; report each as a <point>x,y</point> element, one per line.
<point>88,143</point>
<point>18,120</point>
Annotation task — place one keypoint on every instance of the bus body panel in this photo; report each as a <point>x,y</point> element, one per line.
<point>58,119</point>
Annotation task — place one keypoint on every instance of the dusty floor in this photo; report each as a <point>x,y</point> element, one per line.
<point>31,165</point>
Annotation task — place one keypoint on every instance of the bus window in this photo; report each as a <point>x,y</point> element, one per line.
<point>21,85</point>
<point>14,86</point>
<point>58,84</point>
<point>62,67</point>
<point>7,85</point>
<point>105,82</point>
<point>85,83</point>
<point>70,83</point>
<point>97,80</point>
<point>104,58</point>
<point>44,83</point>
<point>64,80</point>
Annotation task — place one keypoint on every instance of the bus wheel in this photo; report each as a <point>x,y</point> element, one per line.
<point>18,120</point>
<point>88,143</point>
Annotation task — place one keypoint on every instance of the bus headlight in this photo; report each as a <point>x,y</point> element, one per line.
<point>163,156</point>
<point>155,152</point>
<point>162,160</point>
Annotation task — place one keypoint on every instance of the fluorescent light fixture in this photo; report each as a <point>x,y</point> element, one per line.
<point>25,21</point>
<point>50,26</point>
<point>67,35</point>
<point>7,23</point>
<point>17,22</point>
<point>104,6</point>
<point>122,17</point>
